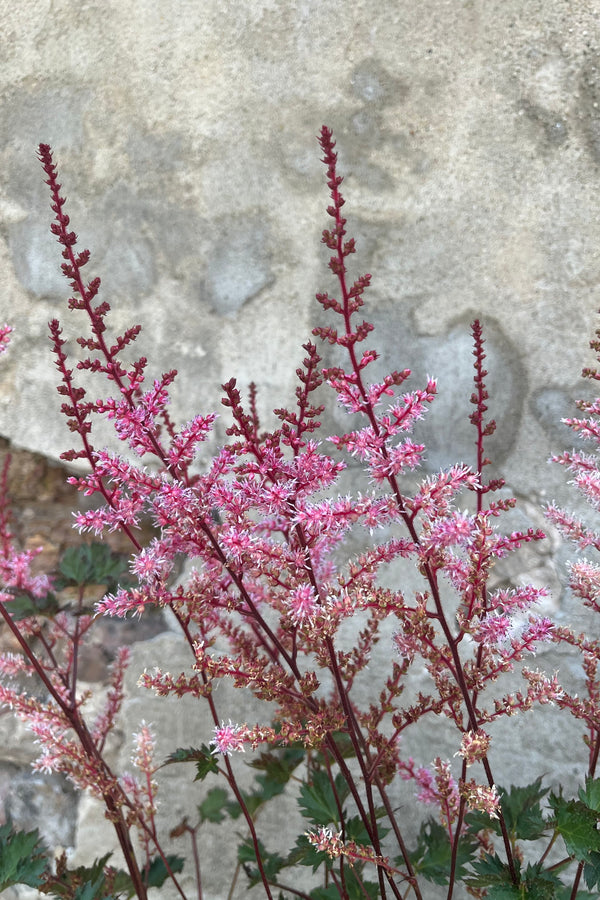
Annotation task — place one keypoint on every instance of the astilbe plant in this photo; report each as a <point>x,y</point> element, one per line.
<point>262,528</point>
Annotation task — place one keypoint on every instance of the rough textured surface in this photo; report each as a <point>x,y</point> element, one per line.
<point>469,134</point>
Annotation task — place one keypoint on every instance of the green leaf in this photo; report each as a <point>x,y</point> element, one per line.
<point>205,763</point>
<point>591,869</point>
<point>521,810</point>
<point>93,563</point>
<point>535,883</point>
<point>356,890</point>
<point>260,794</point>
<point>268,787</point>
<point>564,892</point>
<point>122,883</point>
<point>331,892</point>
<point>433,855</point>
<point>87,883</point>
<point>591,795</point>
<point>93,890</point>
<point>490,872</point>
<point>22,606</point>
<point>506,892</point>
<point>540,883</point>
<point>317,800</point>
<point>576,823</point>
<point>190,754</point>
<point>306,854</point>
<point>343,743</point>
<point>211,808</point>
<point>157,873</point>
<point>22,857</point>
<point>356,831</point>
<point>272,862</point>
<point>90,882</point>
<point>202,756</point>
<point>279,765</point>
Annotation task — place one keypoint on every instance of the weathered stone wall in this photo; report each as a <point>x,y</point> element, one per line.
<point>469,134</point>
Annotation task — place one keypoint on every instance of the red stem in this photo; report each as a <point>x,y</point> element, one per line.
<point>430,574</point>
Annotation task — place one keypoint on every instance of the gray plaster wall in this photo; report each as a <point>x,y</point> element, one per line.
<point>469,136</point>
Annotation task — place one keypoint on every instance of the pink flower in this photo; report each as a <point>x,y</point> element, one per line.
<point>5,332</point>
<point>427,788</point>
<point>474,746</point>
<point>481,797</point>
<point>327,841</point>
<point>229,738</point>
<point>539,629</point>
<point>585,581</point>
<point>184,444</point>
<point>302,604</point>
<point>454,529</point>
<point>149,563</point>
<point>144,743</point>
<point>493,629</point>
<point>122,602</point>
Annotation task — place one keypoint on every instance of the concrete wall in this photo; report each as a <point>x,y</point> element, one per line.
<point>469,135</point>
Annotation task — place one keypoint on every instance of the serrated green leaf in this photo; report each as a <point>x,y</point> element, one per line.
<point>591,869</point>
<point>206,763</point>
<point>157,873</point>
<point>433,855</point>
<point>478,820</point>
<point>233,808</point>
<point>281,763</point>
<point>317,800</point>
<point>74,565</point>
<point>93,563</point>
<point>203,757</point>
<point>564,892</point>
<point>591,795</point>
<point>93,890</point>
<point>521,810</point>
<point>356,831</point>
<point>122,883</point>
<point>22,857</point>
<point>505,892</point>
<point>272,862</point>
<point>269,787</point>
<point>576,823</point>
<point>490,871</point>
<point>359,889</point>
<point>540,883</point>
<point>535,883</point>
<point>331,892</point>
<point>306,854</point>
<point>23,606</point>
<point>189,754</point>
<point>344,745</point>
<point>258,796</point>
<point>211,808</point>
<point>87,883</point>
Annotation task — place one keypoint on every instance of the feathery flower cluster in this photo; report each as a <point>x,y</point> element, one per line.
<point>229,738</point>
<point>480,797</point>
<point>474,746</point>
<point>330,842</point>
<point>5,333</point>
<point>264,527</point>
